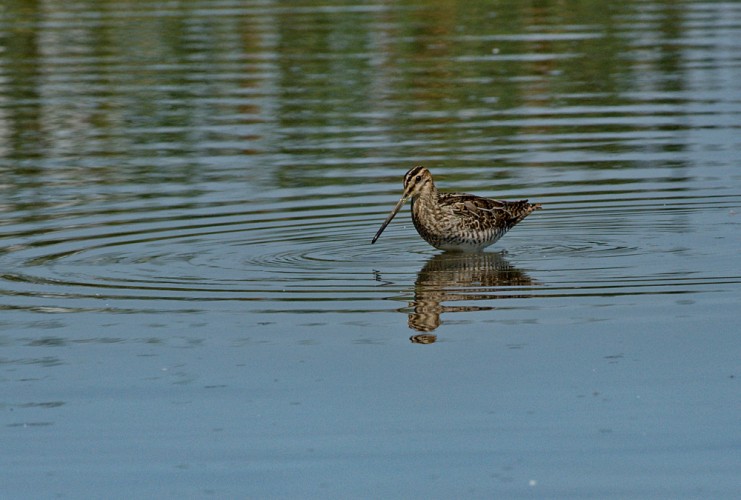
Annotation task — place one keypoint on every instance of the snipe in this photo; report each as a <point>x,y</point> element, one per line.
<point>456,221</point>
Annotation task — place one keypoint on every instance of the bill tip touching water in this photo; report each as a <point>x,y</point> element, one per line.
<point>456,221</point>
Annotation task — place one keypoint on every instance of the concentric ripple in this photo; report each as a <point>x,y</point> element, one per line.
<point>209,252</point>
<point>315,253</point>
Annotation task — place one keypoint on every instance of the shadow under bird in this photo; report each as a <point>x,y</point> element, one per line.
<point>456,221</point>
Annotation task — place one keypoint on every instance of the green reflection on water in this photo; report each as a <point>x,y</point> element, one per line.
<point>188,81</point>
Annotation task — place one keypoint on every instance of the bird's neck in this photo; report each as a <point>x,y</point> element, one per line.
<point>427,196</point>
<point>427,199</point>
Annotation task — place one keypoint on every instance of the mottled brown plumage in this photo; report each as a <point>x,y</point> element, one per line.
<point>456,221</point>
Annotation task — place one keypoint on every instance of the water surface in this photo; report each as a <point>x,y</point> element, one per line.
<point>191,305</point>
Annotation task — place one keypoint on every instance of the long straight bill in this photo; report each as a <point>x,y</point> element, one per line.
<point>388,219</point>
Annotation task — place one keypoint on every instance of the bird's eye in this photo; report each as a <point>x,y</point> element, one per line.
<point>419,178</point>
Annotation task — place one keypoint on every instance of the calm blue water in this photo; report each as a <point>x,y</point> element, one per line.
<point>190,305</point>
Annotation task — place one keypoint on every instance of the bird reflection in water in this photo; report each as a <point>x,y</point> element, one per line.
<point>455,277</point>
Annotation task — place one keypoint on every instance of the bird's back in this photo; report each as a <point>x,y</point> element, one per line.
<point>460,221</point>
